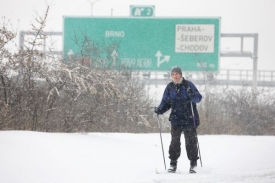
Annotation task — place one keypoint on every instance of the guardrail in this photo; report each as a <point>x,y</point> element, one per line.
<point>224,77</point>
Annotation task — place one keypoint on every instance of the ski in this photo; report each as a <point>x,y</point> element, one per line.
<point>166,172</point>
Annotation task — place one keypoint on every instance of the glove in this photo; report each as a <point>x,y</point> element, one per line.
<point>190,93</point>
<point>157,110</point>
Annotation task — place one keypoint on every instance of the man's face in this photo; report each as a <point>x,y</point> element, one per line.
<point>175,76</point>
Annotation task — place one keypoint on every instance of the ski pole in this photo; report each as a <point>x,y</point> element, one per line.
<point>196,131</point>
<point>161,142</point>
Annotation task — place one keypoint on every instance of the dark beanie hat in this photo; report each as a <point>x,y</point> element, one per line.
<point>176,69</point>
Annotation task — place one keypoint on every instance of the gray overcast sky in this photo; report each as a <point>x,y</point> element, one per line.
<point>237,16</point>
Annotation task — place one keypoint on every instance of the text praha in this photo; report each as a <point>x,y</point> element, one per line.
<point>194,38</point>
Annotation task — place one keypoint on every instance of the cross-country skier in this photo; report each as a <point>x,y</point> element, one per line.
<point>177,95</point>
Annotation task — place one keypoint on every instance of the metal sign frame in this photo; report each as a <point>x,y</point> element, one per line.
<point>241,53</point>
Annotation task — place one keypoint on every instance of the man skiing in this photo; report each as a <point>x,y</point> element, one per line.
<point>178,96</point>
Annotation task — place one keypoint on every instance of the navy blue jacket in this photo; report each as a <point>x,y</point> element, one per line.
<point>180,104</point>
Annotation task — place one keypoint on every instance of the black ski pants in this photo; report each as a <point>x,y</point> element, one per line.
<point>190,143</point>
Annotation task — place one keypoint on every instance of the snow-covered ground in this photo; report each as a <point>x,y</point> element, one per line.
<point>35,157</point>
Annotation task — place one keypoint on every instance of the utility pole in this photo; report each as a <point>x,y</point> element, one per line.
<point>92,4</point>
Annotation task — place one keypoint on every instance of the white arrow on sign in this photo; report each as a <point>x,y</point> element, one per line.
<point>114,55</point>
<point>165,59</point>
<point>70,53</point>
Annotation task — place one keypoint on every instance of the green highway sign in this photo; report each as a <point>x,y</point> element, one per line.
<point>149,44</point>
<point>142,11</point>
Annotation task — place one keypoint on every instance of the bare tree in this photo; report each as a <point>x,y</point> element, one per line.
<point>84,94</point>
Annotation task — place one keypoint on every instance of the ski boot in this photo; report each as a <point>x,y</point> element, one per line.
<point>193,167</point>
<point>173,166</point>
